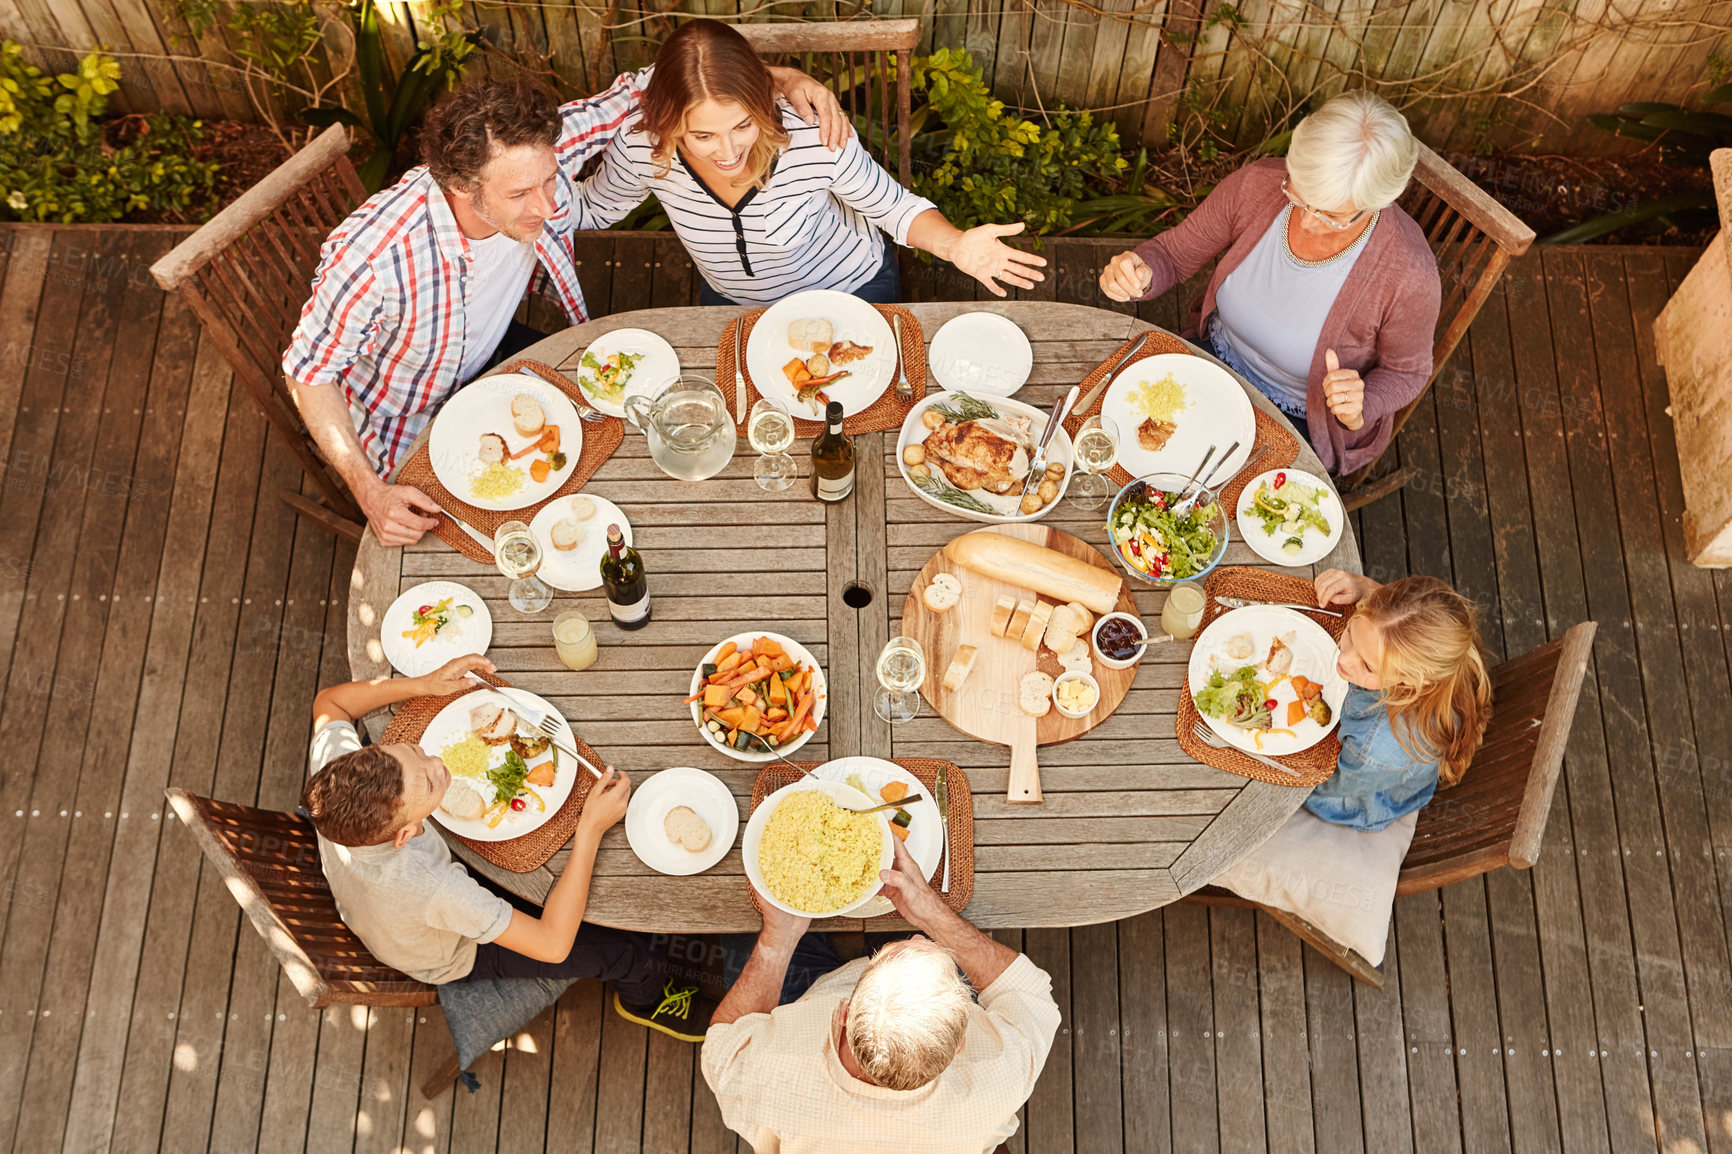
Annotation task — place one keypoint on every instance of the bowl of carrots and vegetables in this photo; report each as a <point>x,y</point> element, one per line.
<point>754,689</point>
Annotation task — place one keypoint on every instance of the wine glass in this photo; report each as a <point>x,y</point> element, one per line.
<point>518,555</point>
<point>771,430</point>
<point>901,670</point>
<point>1096,448</point>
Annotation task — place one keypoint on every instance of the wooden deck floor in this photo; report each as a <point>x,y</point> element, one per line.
<point>163,618</point>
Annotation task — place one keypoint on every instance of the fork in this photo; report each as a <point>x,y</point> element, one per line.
<point>542,720</point>
<point>1214,741</point>
<point>904,387</point>
<point>585,413</point>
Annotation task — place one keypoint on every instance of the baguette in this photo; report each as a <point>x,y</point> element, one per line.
<point>1019,619</point>
<point>1001,612</point>
<point>1036,627</point>
<point>960,667</point>
<point>1023,563</point>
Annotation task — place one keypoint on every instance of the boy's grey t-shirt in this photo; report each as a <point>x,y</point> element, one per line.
<point>414,908</point>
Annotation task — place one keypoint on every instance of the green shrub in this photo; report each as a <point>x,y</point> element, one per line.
<point>60,161</point>
<point>980,165</point>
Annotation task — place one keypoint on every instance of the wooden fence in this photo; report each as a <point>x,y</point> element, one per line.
<point>1473,74</point>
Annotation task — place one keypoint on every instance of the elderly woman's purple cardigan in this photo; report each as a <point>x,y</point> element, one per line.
<point>1382,324</point>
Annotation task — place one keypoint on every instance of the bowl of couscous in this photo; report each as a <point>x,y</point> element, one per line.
<point>809,855</point>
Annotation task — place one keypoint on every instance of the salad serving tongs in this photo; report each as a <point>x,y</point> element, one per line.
<point>1184,506</point>
<point>1037,464</point>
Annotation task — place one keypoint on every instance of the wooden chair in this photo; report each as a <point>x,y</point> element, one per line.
<point>1474,238</point>
<point>1496,815</point>
<point>854,57</point>
<point>246,275</point>
<point>270,861</point>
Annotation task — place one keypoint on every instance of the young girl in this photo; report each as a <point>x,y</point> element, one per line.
<point>764,209</point>
<point>1420,700</point>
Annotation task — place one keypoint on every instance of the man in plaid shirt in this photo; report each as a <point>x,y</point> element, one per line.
<point>415,291</point>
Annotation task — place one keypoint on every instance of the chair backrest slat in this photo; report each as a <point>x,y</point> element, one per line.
<point>270,861</point>
<point>253,265</point>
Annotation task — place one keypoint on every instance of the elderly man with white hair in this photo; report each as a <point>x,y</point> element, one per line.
<point>887,1053</point>
<point>1326,294</point>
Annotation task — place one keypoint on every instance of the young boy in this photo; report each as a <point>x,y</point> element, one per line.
<point>419,911</point>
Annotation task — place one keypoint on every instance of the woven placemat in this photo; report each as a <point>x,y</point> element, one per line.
<point>887,412</point>
<point>1283,447</point>
<point>519,854</point>
<point>599,442</point>
<point>1314,764</point>
<point>925,769</point>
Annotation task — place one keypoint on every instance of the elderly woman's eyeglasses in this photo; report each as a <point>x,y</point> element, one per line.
<point>1333,222</point>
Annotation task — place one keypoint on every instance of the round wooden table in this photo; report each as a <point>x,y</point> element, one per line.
<point>1129,822</point>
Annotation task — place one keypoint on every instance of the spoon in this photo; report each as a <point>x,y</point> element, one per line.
<point>771,750</point>
<point>1137,649</point>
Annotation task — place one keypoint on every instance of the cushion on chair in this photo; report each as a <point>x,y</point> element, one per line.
<point>1340,880</point>
<point>481,1013</point>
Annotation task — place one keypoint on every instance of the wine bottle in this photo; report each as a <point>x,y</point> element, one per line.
<point>622,574</point>
<point>832,459</point>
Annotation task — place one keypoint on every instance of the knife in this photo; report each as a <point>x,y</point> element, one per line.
<point>1037,465</point>
<point>1245,603</point>
<point>941,793</point>
<point>1107,376</point>
<point>740,370</point>
<point>485,542</point>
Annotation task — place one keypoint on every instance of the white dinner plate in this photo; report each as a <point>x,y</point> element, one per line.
<point>705,795</point>
<point>472,635</point>
<point>1314,656</point>
<point>851,319</point>
<point>577,570</point>
<point>451,723</point>
<point>981,353</point>
<point>1219,414</point>
<point>843,795</point>
<point>484,406</point>
<point>1058,452</point>
<point>801,656</point>
<point>925,832</point>
<point>1316,545</point>
<point>659,368</point>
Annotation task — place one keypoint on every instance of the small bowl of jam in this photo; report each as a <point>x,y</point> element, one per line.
<point>1116,637</point>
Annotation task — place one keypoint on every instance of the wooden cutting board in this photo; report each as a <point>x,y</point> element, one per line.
<point>985,707</point>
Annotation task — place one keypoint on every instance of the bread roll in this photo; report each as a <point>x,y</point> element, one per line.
<point>583,508</point>
<point>527,416</point>
<point>1034,694</point>
<point>1058,640</point>
<point>1085,620</point>
<point>1023,563</point>
<point>942,592</point>
<point>1076,659</point>
<point>1036,627</point>
<point>567,534</point>
<point>960,667</point>
<point>685,828</point>
<point>811,335</point>
<point>462,801</point>
<point>1001,611</point>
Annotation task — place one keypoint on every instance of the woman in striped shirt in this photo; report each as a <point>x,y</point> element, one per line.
<point>764,209</point>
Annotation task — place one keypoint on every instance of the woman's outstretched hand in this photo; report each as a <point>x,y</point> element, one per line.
<point>981,254</point>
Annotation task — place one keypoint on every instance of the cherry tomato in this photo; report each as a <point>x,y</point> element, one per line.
<point>518,805</point>
<point>1280,479</point>
<point>1269,705</point>
<point>425,609</point>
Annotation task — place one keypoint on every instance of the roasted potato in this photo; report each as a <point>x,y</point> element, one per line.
<point>1032,503</point>
<point>818,364</point>
<point>914,455</point>
<point>932,418</point>
<point>1055,472</point>
<point>1048,492</point>
<point>919,471</point>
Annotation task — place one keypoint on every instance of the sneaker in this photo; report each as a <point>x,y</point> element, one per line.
<point>683,1012</point>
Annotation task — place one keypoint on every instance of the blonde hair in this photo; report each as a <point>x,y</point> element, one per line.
<point>1356,150</point>
<point>907,1015</point>
<point>707,60</point>
<point>1435,682</point>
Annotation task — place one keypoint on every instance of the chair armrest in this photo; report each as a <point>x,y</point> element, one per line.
<point>1548,759</point>
<point>1503,226</point>
<point>258,202</point>
<point>833,36</point>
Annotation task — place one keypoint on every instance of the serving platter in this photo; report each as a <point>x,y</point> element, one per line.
<point>1058,452</point>
<point>925,832</point>
<point>985,707</point>
<point>843,795</point>
<point>801,656</point>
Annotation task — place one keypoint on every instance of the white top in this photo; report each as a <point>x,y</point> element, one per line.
<point>1273,305</point>
<point>414,908</point>
<point>498,278</point>
<point>814,224</point>
<point>780,1083</point>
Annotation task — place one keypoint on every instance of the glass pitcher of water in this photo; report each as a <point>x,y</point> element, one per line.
<point>691,434</point>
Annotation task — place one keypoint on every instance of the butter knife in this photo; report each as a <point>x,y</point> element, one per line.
<point>941,794</point>
<point>1037,465</point>
<point>1107,376</point>
<point>904,388</point>
<point>1245,603</point>
<point>740,370</point>
<point>485,542</point>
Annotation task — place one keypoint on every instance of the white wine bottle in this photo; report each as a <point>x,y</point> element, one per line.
<point>832,459</point>
<point>622,574</point>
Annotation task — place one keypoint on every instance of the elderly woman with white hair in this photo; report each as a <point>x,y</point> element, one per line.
<point>931,1044</point>
<point>1326,294</point>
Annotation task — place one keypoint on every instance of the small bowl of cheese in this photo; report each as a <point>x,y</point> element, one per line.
<point>1076,694</point>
